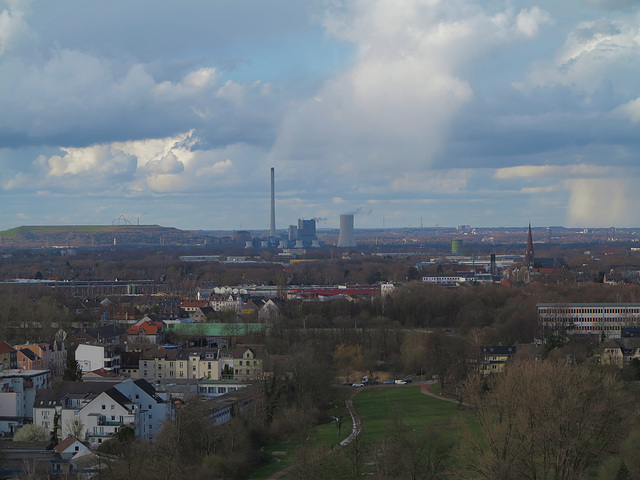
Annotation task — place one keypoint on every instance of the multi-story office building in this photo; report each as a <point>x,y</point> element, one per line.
<point>606,319</point>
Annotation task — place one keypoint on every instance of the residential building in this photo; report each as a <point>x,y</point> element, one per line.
<point>201,315</point>
<point>604,319</point>
<point>160,363</point>
<point>69,447</point>
<point>94,411</point>
<point>96,357</point>
<point>28,360</point>
<point>248,362</point>
<point>220,302</point>
<point>53,354</point>
<point>494,359</point>
<point>620,351</point>
<point>216,388</point>
<point>8,356</point>
<point>203,363</point>
<point>18,389</point>
<point>193,305</point>
<point>145,331</point>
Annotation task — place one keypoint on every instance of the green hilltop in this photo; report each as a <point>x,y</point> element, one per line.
<point>97,235</point>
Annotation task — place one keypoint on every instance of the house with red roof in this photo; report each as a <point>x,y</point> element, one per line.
<point>146,331</point>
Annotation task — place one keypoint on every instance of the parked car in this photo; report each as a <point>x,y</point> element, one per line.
<point>388,382</point>
<point>358,385</point>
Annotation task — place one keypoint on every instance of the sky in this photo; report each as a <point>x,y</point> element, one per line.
<point>406,113</point>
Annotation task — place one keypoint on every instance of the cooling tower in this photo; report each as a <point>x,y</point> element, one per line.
<point>346,237</point>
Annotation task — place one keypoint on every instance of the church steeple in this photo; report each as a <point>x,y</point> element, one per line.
<point>529,256</point>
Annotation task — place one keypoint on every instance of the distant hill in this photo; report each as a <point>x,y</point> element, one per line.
<point>98,236</point>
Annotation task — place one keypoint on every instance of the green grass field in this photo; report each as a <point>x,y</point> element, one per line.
<point>325,435</point>
<point>376,407</point>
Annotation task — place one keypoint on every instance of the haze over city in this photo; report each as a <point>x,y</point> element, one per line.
<point>441,112</point>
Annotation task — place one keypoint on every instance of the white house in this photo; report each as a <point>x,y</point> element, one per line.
<point>94,411</point>
<point>96,357</point>
<point>18,389</point>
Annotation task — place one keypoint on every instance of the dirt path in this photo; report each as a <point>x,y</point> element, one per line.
<point>355,431</point>
<point>424,388</point>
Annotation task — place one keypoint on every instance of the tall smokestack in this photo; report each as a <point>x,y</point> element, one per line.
<point>272,231</point>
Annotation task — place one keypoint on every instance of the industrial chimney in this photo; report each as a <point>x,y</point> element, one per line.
<point>272,230</point>
<point>346,237</point>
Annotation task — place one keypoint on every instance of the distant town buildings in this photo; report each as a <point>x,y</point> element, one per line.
<point>605,319</point>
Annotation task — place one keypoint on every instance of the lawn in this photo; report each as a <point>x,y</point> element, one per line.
<point>283,453</point>
<point>376,406</point>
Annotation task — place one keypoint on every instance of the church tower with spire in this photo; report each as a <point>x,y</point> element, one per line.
<point>529,256</point>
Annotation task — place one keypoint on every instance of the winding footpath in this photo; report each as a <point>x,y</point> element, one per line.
<point>424,388</point>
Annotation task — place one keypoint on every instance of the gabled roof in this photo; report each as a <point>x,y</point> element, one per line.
<point>29,354</point>
<point>66,443</point>
<point>105,332</point>
<point>6,348</point>
<point>119,397</point>
<point>239,350</point>
<point>499,350</point>
<point>623,343</point>
<point>194,304</point>
<point>101,372</point>
<point>48,398</point>
<point>147,328</point>
<point>147,388</point>
<point>149,353</point>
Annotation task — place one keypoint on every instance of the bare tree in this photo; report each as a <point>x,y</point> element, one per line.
<point>545,420</point>
<point>75,427</point>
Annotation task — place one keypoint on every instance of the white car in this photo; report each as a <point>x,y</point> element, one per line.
<point>358,385</point>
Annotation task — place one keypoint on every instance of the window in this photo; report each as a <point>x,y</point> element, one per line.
<point>240,363</point>
<point>113,407</point>
<point>104,407</point>
<point>150,417</point>
<point>209,366</point>
<point>113,417</point>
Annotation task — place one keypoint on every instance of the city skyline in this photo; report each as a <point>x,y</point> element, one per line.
<point>425,112</point>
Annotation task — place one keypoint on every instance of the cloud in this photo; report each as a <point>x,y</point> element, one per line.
<point>602,202</point>
<point>612,4</point>
<point>95,161</point>
<point>168,164</point>
<point>536,171</point>
<point>529,21</point>
<point>15,33</point>
<point>431,182</point>
<point>591,51</point>
<point>395,104</point>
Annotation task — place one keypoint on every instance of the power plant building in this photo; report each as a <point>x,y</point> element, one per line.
<point>303,235</point>
<point>347,237</point>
